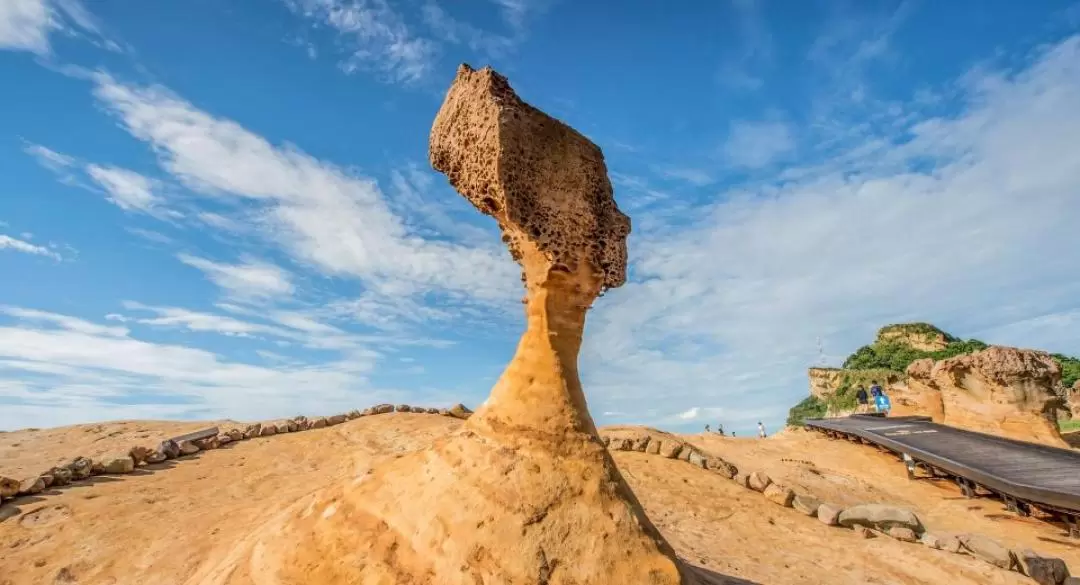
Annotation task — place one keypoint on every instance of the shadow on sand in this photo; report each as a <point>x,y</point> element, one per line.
<point>709,577</point>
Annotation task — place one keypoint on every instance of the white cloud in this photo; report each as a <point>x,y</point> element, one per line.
<point>696,177</point>
<point>65,322</point>
<point>251,279</point>
<point>377,36</point>
<point>966,221</point>
<point>25,25</point>
<point>758,144</point>
<point>129,190</point>
<point>49,158</point>
<point>690,414</point>
<point>321,214</point>
<point>455,31</point>
<point>10,243</point>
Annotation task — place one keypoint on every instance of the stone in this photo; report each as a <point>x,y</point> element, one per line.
<point>97,468</point>
<point>758,481</point>
<point>619,444</point>
<point>670,449</point>
<point>686,453</point>
<point>28,487</point>
<point>253,430</point>
<point>903,534</point>
<point>353,414</point>
<point>282,428</point>
<point>1042,570</point>
<point>61,476</point>
<point>9,487</point>
<point>235,435</point>
<point>156,456</point>
<point>433,410</point>
<point>460,411</point>
<point>119,464</point>
<point>743,479</point>
<point>639,443</point>
<point>829,514</point>
<point>170,449</point>
<point>697,459</point>
<point>721,467</point>
<point>779,495</point>
<point>806,504</point>
<point>862,531</point>
<point>336,419</point>
<point>223,440</point>
<point>445,412</point>
<point>318,422</point>
<point>48,479</point>
<point>525,488</point>
<point>384,409</point>
<point>1003,391</point>
<point>367,411</point>
<point>654,447</point>
<point>268,431</point>
<point>1071,581</point>
<point>211,443</point>
<point>139,454</point>
<point>403,408</point>
<point>81,468</point>
<point>941,541</point>
<point>880,517</point>
<point>987,549</point>
<point>187,448</point>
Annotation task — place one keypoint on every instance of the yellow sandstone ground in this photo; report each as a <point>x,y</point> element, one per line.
<point>159,524</point>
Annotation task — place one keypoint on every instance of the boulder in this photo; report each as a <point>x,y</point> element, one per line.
<point>903,534</point>
<point>779,494</point>
<point>367,411</point>
<point>829,514</point>
<point>758,481</point>
<point>253,430</point>
<point>28,487</point>
<point>235,435</point>
<point>671,449</point>
<point>117,464</point>
<point>1042,570</point>
<point>619,444</point>
<point>9,488</point>
<point>862,531</point>
<point>721,467</point>
<point>187,448</point>
<point>941,541</point>
<point>1071,581</point>
<point>445,412</point>
<point>742,479</point>
<point>318,422</point>
<point>337,419</point>
<point>353,414</point>
<point>697,459</point>
<point>81,468</point>
<point>223,440</point>
<point>97,468</point>
<point>61,476</point>
<point>156,456</point>
<point>170,449</point>
<point>987,549</point>
<point>384,408</point>
<point>48,479</point>
<point>283,428</point>
<point>433,410</point>
<point>881,517</point>
<point>268,430</point>
<point>806,504</point>
<point>654,447</point>
<point>460,411</point>
<point>403,408</point>
<point>139,454</point>
<point>211,443</point>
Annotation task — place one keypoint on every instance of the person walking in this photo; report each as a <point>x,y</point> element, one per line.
<point>720,429</point>
<point>761,430</point>
<point>862,400</point>
<point>706,428</point>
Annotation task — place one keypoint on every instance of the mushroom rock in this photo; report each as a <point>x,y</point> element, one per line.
<point>524,493</point>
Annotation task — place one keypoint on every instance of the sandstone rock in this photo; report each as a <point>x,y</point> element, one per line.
<point>156,456</point>
<point>119,464</point>
<point>187,448</point>
<point>223,440</point>
<point>318,422</point>
<point>353,414</point>
<point>9,487</point>
<point>139,454</point>
<point>48,479</point>
<point>686,453</point>
<point>1071,581</point>
<point>697,460</point>
<point>283,428</point>
<point>880,516</point>
<point>806,504</point>
<point>460,411</point>
<point>824,382</point>
<point>654,447</point>
<point>829,514</point>
<point>384,409</point>
<point>1042,570</point>
<point>268,430</point>
<point>403,408</point>
<point>721,467</point>
<point>920,336</point>
<point>338,419</point>
<point>211,443</point>
<point>253,430</point>
<point>779,494</point>
<point>445,412</point>
<point>863,531</point>
<point>639,443</point>
<point>97,468</point>
<point>671,449</point>
<point>433,410</point>
<point>27,487</point>
<point>987,549</point>
<point>235,435</point>
<point>903,534</point>
<point>61,476</point>
<point>619,443</point>
<point>170,449</point>
<point>743,479</point>
<point>81,468</point>
<point>758,481</point>
<point>1001,390</point>
<point>528,466</point>
<point>941,541</point>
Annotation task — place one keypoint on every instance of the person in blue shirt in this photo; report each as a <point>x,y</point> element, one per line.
<point>875,389</point>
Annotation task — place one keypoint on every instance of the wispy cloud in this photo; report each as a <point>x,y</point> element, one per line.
<point>17,245</point>
<point>129,190</point>
<point>742,67</point>
<point>451,30</point>
<point>25,25</point>
<point>758,144</point>
<point>251,279</point>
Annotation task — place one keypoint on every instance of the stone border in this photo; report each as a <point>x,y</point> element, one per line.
<point>82,468</point>
<point>867,520</point>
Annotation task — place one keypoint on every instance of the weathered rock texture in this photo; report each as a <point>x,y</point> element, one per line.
<point>525,492</point>
<point>1000,390</point>
<point>824,381</point>
<point>920,336</point>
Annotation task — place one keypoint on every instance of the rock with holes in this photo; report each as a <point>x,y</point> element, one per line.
<point>806,504</point>
<point>156,456</point>
<point>81,468</point>
<point>29,486</point>
<point>268,430</point>
<point>61,476</point>
<point>671,449</point>
<point>758,481</point>
<point>721,467</point>
<point>139,453</point>
<point>779,495</point>
<point>881,517</point>
<point>187,448</point>
<point>336,419</point>
<point>829,514</point>
<point>9,487</point>
<point>1042,570</point>
<point>253,430</point>
<point>941,541</point>
<point>903,534</point>
<point>987,549</point>
<point>460,411</point>
<point>117,464</point>
<point>235,435</point>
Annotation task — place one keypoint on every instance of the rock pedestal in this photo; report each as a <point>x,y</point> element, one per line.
<point>525,492</point>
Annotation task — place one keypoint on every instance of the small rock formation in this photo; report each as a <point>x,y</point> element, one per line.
<point>8,487</point>
<point>880,516</point>
<point>808,505</point>
<point>758,481</point>
<point>1001,390</point>
<point>824,382</point>
<point>779,494</point>
<point>524,493</point>
<point>119,464</point>
<point>940,541</point>
<point>1042,570</point>
<point>920,336</point>
<point>987,549</point>
<point>903,533</point>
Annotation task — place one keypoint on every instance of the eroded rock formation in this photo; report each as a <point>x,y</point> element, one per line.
<point>1000,390</point>
<point>525,492</point>
<point>824,381</point>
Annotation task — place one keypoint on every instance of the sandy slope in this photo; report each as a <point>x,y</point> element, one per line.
<point>156,526</point>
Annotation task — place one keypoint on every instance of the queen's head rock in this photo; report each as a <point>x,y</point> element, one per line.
<point>525,493</point>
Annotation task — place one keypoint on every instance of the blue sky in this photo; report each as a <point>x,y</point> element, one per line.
<point>223,208</point>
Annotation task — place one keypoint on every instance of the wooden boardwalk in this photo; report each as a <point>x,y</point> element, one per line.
<point>1023,474</point>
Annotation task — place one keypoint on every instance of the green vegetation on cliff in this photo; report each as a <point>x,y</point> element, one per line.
<point>810,407</point>
<point>898,356</point>
<point>926,329</point>
<point>1070,369</point>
